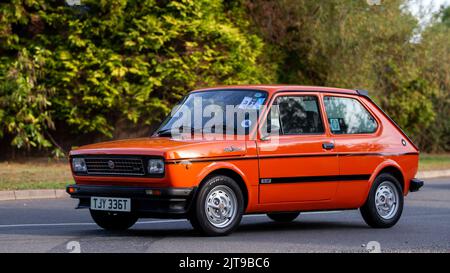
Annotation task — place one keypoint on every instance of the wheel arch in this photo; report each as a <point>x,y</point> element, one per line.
<point>236,175</point>
<point>395,172</point>
<point>393,168</point>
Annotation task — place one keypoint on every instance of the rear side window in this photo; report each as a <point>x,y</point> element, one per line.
<point>299,115</point>
<point>348,116</point>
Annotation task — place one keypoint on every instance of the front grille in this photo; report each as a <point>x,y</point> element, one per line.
<point>115,166</point>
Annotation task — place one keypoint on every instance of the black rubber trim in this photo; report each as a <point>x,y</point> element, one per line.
<point>361,92</point>
<point>415,185</point>
<point>307,179</point>
<point>123,191</point>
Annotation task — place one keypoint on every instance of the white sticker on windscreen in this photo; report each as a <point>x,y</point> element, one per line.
<point>245,103</point>
<point>246,123</point>
<point>251,103</point>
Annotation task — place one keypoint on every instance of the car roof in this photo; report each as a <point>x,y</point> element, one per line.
<point>272,88</point>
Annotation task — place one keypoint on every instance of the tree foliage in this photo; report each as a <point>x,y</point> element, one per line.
<point>351,44</point>
<point>85,69</point>
<point>91,65</point>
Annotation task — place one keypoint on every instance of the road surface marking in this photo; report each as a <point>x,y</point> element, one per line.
<point>139,222</point>
<point>84,224</point>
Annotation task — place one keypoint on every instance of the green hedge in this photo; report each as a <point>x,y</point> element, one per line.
<point>79,70</point>
<point>91,65</point>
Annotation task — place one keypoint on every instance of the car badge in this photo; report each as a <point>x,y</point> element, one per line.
<point>111,164</point>
<point>232,149</point>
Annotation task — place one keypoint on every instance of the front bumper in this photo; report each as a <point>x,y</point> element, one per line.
<point>415,184</point>
<point>145,201</point>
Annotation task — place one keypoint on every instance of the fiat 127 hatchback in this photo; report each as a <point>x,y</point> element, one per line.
<point>228,151</point>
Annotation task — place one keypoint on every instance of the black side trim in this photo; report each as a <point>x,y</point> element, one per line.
<point>305,179</point>
<point>377,154</point>
<point>298,155</point>
<point>195,160</point>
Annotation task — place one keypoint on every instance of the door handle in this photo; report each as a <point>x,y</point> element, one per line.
<point>328,145</point>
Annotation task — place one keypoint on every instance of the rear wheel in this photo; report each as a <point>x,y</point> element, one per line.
<point>283,216</point>
<point>384,205</point>
<point>113,220</point>
<point>218,208</point>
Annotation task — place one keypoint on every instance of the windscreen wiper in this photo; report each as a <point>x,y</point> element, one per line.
<point>168,132</point>
<point>164,132</point>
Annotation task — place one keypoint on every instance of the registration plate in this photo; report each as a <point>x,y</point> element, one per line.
<point>110,204</point>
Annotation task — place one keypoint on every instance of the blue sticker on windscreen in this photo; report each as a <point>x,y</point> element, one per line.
<point>334,123</point>
<point>251,103</point>
<point>259,102</point>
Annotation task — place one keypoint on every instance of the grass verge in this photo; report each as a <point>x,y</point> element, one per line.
<point>429,162</point>
<point>34,175</point>
<point>43,174</point>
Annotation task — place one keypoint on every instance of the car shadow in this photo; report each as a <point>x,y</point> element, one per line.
<point>253,228</point>
<point>182,229</point>
<point>299,225</point>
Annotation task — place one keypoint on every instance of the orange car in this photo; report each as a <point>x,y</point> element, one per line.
<point>228,151</point>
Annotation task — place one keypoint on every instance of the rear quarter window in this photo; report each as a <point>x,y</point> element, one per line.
<point>348,116</point>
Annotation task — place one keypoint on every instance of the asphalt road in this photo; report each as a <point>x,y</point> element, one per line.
<point>54,226</point>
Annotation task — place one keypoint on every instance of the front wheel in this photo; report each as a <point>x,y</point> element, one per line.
<point>113,220</point>
<point>218,208</point>
<point>384,205</point>
<point>283,216</point>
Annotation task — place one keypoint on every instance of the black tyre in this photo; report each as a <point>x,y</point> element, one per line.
<point>113,220</point>
<point>217,210</point>
<point>384,205</point>
<point>283,216</point>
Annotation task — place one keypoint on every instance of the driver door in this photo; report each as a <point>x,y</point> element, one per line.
<point>300,164</point>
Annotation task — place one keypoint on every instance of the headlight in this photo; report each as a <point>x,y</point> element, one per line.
<point>78,165</point>
<point>155,166</point>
